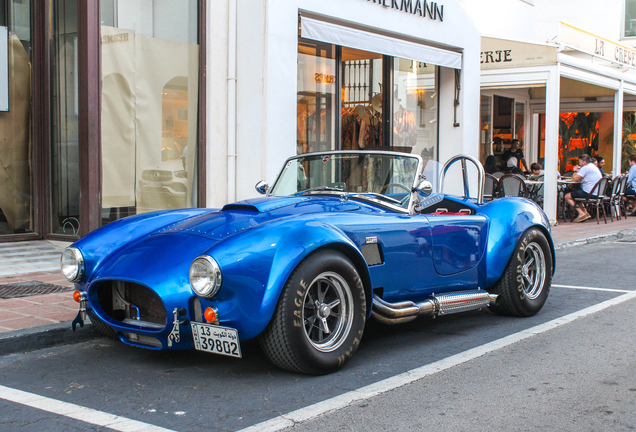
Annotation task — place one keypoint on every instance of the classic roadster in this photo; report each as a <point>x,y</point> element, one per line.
<point>339,238</point>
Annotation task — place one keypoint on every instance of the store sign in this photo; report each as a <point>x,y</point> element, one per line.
<point>592,44</point>
<point>4,69</point>
<point>503,53</point>
<point>423,8</point>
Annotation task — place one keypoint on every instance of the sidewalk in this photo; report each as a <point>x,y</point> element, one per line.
<point>37,321</point>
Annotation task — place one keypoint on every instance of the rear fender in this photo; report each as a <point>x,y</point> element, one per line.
<point>509,219</point>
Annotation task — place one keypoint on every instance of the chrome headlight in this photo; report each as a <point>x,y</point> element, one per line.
<point>72,263</point>
<point>205,276</point>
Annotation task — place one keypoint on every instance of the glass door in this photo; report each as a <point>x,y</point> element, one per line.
<point>64,111</point>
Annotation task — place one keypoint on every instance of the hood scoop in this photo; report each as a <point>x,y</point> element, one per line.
<point>264,205</point>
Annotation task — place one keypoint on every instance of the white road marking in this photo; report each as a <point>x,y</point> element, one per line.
<point>77,412</point>
<point>591,289</point>
<point>339,402</point>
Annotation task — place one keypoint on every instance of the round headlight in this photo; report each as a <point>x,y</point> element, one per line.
<point>72,263</point>
<point>205,276</point>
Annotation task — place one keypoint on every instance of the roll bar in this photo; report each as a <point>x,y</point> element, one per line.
<point>481,176</point>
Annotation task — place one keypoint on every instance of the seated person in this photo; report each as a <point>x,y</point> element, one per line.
<point>600,163</point>
<point>537,171</point>
<point>491,165</point>
<point>519,159</point>
<point>588,174</point>
<point>630,186</point>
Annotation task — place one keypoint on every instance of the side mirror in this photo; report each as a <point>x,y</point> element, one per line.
<point>425,187</point>
<point>262,187</point>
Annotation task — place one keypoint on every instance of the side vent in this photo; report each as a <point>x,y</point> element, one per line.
<point>372,253</point>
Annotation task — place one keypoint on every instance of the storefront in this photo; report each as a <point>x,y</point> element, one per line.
<point>560,100</point>
<point>120,107</point>
<point>303,76</point>
<point>101,108</point>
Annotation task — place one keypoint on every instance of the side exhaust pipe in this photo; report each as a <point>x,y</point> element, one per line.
<point>443,304</point>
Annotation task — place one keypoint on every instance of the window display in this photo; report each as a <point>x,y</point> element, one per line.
<point>361,123</point>
<point>362,78</point>
<point>316,97</point>
<point>415,107</point>
<point>16,211</point>
<point>149,106</point>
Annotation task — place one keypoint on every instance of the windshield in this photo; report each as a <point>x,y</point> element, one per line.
<point>376,173</point>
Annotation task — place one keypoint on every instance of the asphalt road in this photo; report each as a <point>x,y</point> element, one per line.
<point>477,371</point>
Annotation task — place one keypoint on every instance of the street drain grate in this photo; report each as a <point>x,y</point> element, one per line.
<point>31,288</point>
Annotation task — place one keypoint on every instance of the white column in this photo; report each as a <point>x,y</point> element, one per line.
<point>552,101</point>
<point>618,131</point>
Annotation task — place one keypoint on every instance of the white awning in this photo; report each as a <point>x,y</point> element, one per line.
<point>352,38</point>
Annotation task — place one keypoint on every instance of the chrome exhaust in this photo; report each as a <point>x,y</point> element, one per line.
<point>443,304</point>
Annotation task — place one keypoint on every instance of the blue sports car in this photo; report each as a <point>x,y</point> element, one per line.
<point>341,237</point>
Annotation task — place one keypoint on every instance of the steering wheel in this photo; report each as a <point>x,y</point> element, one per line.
<point>386,186</point>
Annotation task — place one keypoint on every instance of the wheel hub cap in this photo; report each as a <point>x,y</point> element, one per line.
<point>327,312</point>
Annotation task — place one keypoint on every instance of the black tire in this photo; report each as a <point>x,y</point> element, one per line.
<point>292,341</point>
<point>525,284</point>
<point>104,329</point>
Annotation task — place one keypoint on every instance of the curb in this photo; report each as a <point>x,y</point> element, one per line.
<point>37,338</point>
<point>596,239</point>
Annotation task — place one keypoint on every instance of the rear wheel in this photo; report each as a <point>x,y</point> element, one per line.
<point>320,316</point>
<point>525,284</point>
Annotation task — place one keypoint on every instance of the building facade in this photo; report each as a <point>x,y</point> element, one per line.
<point>120,107</point>
<point>563,83</point>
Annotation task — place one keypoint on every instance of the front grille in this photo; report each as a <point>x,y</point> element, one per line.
<point>132,304</point>
<point>157,175</point>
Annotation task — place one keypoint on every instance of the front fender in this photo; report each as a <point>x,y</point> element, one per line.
<point>509,219</point>
<point>257,263</point>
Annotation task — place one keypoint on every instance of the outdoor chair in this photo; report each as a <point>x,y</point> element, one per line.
<point>491,189</point>
<point>535,191</point>
<point>595,198</point>
<point>512,185</point>
<point>498,174</point>
<point>612,198</point>
<point>621,195</point>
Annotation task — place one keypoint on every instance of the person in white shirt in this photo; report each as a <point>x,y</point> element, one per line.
<point>588,174</point>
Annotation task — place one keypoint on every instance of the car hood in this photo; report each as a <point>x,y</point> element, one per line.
<point>243,215</point>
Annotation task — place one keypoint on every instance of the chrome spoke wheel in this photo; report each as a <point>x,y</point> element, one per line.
<point>328,312</point>
<point>533,271</point>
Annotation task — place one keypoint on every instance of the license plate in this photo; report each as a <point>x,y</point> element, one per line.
<point>216,339</point>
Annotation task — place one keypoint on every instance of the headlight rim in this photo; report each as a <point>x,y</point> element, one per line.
<point>79,257</point>
<point>218,281</point>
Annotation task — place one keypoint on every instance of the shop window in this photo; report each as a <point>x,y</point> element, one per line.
<point>16,177</point>
<point>150,88</point>
<point>415,112</point>
<point>316,97</point>
<point>629,25</point>
<point>360,80</point>
<point>485,128</point>
<point>362,77</point>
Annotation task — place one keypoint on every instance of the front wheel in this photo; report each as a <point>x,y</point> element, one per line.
<point>320,316</point>
<point>525,284</point>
